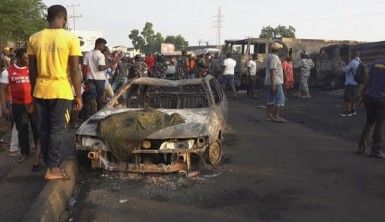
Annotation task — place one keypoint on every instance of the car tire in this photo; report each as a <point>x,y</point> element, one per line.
<point>213,154</point>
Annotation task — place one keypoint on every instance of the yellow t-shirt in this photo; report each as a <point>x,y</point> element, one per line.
<point>52,48</point>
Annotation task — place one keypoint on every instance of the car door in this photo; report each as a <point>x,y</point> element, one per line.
<point>220,101</point>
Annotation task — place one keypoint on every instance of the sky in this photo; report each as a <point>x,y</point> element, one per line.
<point>195,19</point>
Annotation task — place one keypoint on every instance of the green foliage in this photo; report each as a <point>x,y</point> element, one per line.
<point>150,41</point>
<point>21,18</point>
<point>178,40</point>
<point>280,31</point>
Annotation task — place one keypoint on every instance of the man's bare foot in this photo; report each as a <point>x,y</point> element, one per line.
<point>56,173</point>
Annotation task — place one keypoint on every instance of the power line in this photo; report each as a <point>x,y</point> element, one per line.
<point>218,25</point>
<point>74,16</point>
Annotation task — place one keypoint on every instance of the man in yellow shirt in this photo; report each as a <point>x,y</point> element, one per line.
<point>54,66</point>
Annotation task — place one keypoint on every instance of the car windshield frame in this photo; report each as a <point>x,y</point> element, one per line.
<point>192,96</point>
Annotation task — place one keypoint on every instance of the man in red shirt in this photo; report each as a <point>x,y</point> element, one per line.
<point>150,61</point>
<point>22,106</point>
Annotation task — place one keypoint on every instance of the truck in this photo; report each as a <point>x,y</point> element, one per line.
<point>241,49</point>
<point>332,59</point>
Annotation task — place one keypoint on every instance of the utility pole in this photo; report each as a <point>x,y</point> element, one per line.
<point>74,16</point>
<point>218,25</point>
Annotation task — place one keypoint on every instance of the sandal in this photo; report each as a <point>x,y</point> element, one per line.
<point>14,153</point>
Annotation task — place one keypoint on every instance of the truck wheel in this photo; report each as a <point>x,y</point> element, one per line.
<point>214,153</point>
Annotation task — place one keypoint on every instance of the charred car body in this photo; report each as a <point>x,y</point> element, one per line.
<point>332,58</point>
<point>202,105</point>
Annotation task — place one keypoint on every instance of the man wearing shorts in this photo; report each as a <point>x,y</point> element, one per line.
<point>274,83</point>
<point>351,86</point>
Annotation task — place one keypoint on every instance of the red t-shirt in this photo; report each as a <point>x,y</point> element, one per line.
<point>19,85</point>
<point>150,61</point>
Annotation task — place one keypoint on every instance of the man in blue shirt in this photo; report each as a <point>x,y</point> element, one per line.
<point>374,100</point>
<point>351,85</point>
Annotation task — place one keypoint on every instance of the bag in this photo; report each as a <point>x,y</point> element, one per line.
<point>360,75</point>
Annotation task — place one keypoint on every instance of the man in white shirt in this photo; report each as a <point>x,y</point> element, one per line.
<point>96,78</point>
<point>273,83</point>
<point>229,73</point>
<point>252,74</point>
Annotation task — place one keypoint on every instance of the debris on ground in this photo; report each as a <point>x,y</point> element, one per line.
<point>122,201</point>
<point>211,175</point>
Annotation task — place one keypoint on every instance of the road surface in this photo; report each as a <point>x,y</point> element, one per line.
<point>304,170</point>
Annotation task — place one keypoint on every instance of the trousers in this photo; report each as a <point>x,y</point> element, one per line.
<point>53,116</point>
<point>22,121</point>
<point>375,119</point>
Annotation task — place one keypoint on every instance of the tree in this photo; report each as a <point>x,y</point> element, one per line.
<point>150,41</point>
<point>21,18</point>
<point>137,41</point>
<point>280,31</point>
<point>179,42</point>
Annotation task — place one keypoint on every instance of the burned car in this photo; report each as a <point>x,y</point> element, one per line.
<point>158,126</point>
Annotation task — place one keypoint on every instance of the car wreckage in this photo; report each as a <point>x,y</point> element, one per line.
<point>157,126</point>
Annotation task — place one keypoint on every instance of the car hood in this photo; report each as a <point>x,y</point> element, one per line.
<point>195,124</point>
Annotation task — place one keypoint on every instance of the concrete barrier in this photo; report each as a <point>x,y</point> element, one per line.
<point>53,199</point>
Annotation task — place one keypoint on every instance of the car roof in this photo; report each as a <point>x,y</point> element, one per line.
<point>166,82</point>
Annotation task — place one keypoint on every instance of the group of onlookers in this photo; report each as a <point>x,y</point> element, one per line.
<point>41,87</point>
<point>372,94</point>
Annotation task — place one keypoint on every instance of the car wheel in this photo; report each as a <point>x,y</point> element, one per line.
<point>213,154</point>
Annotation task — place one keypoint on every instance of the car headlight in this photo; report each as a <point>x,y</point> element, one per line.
<point>146,144</point>
<point>183,144</point>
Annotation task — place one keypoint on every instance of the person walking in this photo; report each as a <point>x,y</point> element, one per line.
<point>16,77</point>
<point>54,66</point>
<point>373,96</point>
<point>274,85</point>
<point>252,75</point>
<point>306,65</point>
<point>228,74</point>
<point>351,85</point>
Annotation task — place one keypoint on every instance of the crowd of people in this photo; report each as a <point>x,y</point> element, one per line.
<point>372,94</point>
<point>44,87</point>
